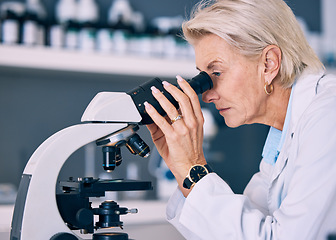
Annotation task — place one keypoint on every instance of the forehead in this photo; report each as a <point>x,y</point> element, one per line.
<point>210,49</point>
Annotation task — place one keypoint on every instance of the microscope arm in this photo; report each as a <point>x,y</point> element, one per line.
<point>36,214</point>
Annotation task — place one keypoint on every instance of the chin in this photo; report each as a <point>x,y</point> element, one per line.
<point>232,124</point>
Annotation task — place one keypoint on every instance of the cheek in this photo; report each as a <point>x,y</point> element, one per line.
<point>232,88</point>
<point>243,93</point>
<point>250,100</point>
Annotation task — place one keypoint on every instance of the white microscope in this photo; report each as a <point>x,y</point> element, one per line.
<point>111,120</point>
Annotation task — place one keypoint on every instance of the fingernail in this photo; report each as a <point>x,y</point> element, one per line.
<point>154,89</point>
<point>165,83</point>
<point>179,78</point>
<point>147,105</point>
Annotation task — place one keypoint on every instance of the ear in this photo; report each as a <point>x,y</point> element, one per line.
<point>271,57</point>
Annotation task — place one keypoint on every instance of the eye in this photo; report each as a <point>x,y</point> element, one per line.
<point>217,74</point>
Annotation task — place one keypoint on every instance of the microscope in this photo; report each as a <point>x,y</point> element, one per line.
<point>111,120</point>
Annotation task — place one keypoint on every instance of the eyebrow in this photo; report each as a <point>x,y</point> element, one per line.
<point>210,65</point>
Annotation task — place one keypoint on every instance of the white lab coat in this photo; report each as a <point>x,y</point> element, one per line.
<point>294,199</point>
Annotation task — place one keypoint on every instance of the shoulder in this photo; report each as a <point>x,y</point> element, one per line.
<point>316,126</point>
<point>323,104</point>
<point>314,98</point>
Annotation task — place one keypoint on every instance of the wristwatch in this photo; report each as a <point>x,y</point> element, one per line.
<point>196,172</point>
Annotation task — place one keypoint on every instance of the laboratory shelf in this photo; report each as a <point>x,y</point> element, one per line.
<point>70,60</point>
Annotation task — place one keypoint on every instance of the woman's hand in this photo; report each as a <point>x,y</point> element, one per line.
<point>179,142</point>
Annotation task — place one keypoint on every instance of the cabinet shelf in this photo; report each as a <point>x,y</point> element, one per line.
<point>67,60</point>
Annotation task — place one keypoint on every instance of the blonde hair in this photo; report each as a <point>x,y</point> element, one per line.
<point>252,25</point>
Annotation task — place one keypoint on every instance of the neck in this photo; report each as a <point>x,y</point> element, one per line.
<point>276,107</point>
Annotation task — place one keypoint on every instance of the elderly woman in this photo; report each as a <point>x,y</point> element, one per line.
<point>263,71</point>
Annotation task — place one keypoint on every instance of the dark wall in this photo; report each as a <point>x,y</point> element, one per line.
<point>309,10</point>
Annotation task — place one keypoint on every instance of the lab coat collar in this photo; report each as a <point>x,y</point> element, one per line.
<point>303,94</point>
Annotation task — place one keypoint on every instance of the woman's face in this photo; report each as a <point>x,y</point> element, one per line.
<point>237,81</point>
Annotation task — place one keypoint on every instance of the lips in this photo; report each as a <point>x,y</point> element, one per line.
<point>224,109</point>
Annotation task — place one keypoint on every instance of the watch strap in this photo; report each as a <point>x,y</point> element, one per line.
<point>187,183</point>
<point>207,166</point>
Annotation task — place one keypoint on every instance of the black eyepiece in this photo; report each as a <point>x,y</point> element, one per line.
<point>200,83</point>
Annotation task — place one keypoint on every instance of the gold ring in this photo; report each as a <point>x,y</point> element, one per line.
<point>178,117</point>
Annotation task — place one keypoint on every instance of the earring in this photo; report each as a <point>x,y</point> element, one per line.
<point>268,88</point>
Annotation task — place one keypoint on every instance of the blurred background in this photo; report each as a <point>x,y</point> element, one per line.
<point>55,56</point>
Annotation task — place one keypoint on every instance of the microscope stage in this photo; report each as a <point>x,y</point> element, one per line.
<point>90,187</point>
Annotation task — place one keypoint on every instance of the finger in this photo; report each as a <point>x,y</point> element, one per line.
<point>160,121</point>
<point>166,105</point>
<point>152,128</point>
<point>184,102</point>
<point>189,91</point>
<point>194,101</point>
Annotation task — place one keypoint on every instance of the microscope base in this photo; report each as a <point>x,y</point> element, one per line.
<point>110,236</point>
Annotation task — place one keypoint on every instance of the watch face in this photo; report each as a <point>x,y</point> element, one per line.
<point>197,172</point>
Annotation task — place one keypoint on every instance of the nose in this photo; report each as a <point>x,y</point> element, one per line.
<point>209,96</point>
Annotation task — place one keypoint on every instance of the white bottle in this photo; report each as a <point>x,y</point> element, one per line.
<point>120,10</point>
<point>66,15</point>
<point>120,13</point>
<point>10,25</point>
<point>165,41</point>
<point>56,36</point>
<point>132,173</point>
<point>103,41</point>
<point>87,17</point>
<point>32,28</point>
<point>166,183</point>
